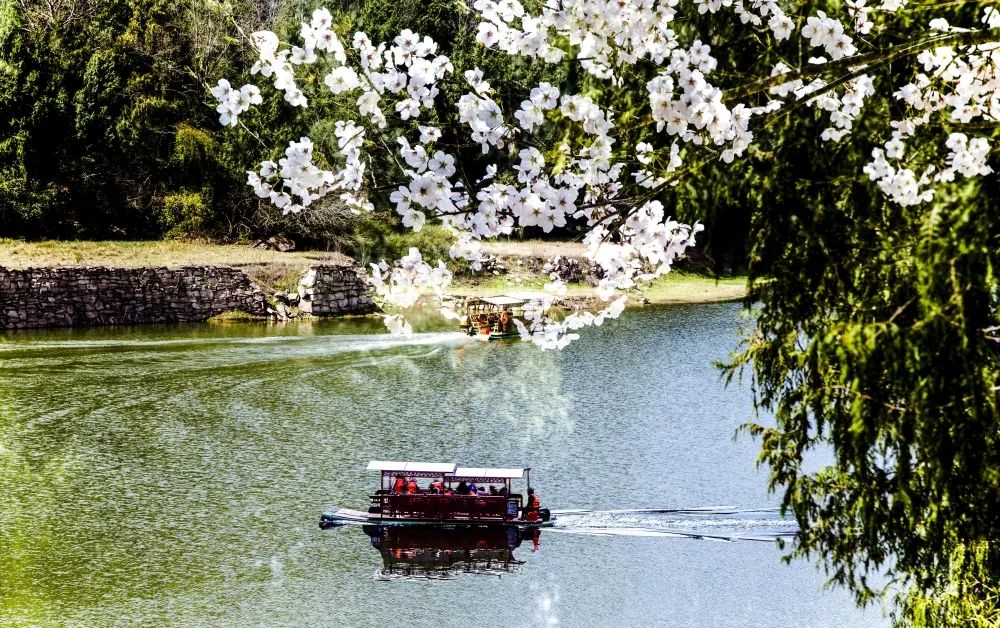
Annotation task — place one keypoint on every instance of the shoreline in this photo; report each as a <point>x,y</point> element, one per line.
<point>675,288</point>
<point>70,277</point>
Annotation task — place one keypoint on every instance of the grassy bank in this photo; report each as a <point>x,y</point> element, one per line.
<point>132,254</point>
<point>274,270</point>
<point>525,258</point>
<point>675,287</point>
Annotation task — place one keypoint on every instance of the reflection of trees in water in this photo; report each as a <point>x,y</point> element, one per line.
<point>31,482</point>
<point>516,383</point>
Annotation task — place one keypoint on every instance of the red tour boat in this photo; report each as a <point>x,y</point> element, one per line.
<point>443,493</point>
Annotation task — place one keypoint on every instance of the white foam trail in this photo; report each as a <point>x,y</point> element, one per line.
<point>370,342</point>
<point>98,343</point>
<point>225,352</point>
<point>719,523</point>
<point>693,510</point>
<point>619,532</point>
<point>666,533</point>
<point>364,341</point>
<point>259,340</point>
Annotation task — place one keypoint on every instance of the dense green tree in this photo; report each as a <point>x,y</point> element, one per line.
<point>106,127</point>
<point>876,338</point>
<point>30,99</point>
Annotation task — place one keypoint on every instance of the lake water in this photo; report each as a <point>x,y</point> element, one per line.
<point>175,476</point>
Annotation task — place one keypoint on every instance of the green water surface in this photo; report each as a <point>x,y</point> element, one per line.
<point>175,476</point>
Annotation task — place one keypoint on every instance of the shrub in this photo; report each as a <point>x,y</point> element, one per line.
<point>184,215</point>
<point>375,238</point>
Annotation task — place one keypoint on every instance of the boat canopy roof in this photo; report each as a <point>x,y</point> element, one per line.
<point>501,299</point>
<point>447,469</point>
<point>488,472</point>
<point>412,467</point>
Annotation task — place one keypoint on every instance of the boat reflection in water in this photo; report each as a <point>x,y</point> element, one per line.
<point>444,552</point>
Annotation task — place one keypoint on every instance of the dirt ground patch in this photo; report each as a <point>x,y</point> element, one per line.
<point>133,254</point>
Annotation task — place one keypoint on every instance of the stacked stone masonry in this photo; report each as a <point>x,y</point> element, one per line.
<point>70,297</point>
<point>329,290</point>
<point>82,296</point>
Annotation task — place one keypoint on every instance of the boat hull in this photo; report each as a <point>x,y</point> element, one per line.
<point>341,516</point>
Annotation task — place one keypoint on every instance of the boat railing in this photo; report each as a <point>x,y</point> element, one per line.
<point>433,506</point>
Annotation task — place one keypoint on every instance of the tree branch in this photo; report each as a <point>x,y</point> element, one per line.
<point>881,57</point>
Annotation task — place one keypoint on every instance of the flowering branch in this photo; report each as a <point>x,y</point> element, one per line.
<point>870,61</point>
<point>602,176</point>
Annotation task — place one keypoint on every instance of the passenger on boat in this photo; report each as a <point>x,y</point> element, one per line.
<point>462,488</point>
<point>411,487</point>
<point>532,508</point>
<point>473,489</point>
<point>399,486</point>
<point>493,490</point>
<point>437,487</point>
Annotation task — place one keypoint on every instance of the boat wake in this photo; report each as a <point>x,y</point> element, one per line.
<point>715,523</point>
<point>350,342</point>
<point>197,353</point>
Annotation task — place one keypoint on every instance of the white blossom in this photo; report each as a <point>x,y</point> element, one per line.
<point>342,79</point>
<point>608,158</point>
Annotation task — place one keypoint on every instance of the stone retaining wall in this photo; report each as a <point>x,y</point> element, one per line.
<point>69,297</point>
<point>329,290</point>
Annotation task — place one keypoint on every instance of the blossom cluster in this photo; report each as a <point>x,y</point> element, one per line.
<point>682,99</point>
<point>962,87</point>
<point>481,113</point>
<point>402,284</point>
<point>546,332</point>
<point>302,180</point>
<point>959,84</point>
<point>233,102</point>
<point>593,178</point>
<point>828,32</point>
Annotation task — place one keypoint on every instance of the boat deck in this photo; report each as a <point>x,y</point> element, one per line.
<point>349,515</point>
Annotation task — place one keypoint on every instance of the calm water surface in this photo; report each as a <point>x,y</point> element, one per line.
<point>175,476</point>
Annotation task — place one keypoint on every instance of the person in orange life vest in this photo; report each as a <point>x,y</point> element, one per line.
<point>411,487</point>
<point>532,507</point>
<point>400,485</point>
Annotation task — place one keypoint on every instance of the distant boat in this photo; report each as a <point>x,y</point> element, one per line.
<point>492,317</point>
<point>445,497</point>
